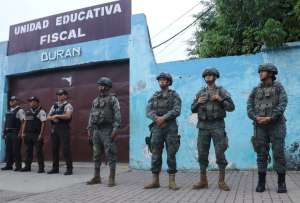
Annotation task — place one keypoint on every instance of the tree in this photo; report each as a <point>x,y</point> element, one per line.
<point>235,27</point>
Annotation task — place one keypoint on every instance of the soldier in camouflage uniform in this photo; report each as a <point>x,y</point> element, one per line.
<point>211,104</point>
<point>266,105</point>
<point>104,121</point>
<point>163,108</point>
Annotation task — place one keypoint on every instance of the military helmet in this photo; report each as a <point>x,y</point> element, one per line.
<point>105,81</point>
<point>268,67</point>
<point>166,76</point>
<point>211,71</point>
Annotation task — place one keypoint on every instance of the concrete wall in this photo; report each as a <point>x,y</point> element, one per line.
<point>238,76</point>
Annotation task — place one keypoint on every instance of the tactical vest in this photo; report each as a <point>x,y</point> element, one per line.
<point>265,99</point>
<point>102,112</point>
<point>12,123</point>
<point>163,103</point>
<point>210,110</point>
<point>60,110</point>
<point>33,123</point>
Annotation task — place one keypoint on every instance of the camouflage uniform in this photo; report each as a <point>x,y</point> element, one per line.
<point>104,120</point>
<point>166,104</point>
<point>268,101</point>
<point>211,124</point>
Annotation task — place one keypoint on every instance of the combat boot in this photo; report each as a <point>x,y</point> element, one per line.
<point>203,183</point>
<point>41,168</point>
<point>261,185</point>
<point>155,182</point>
<point>111,179</point>
<point>96,179</point>
<point>281,183</point>
<point>222,185</point>
<point>6,168</point>
<point>53,171</point>
<point>27,168</point>
<point>172,182</point>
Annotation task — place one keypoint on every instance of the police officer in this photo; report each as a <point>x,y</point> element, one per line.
<point>104,121</point>
<point>60,116</point>
<point>13,134</point>
<point>211,104</point>
<point>163,108</point>
<point>33,130</point>
<point>266,105</point>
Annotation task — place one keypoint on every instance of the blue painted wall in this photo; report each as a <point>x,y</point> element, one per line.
<point>238,76</point>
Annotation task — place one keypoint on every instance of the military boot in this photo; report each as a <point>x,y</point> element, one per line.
<point>172,182</point>
<point>203,183</point>
<point>41,168</point>
<point>281,183</point>
<point>6,168</point>
<point>155,182</point>
<point>261,185</point>
<point>222,185</point>
<point>27,168</point>
<point>96,179</point>
<point>111,179</point>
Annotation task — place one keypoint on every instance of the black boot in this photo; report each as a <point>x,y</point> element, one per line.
<point>27,168</point>
<point>41,168</point>
<point>261,185</point>
<point>53,171</point>
<point>68,172</point>
<point>6,168</point>
<point>281,183</point>
<point>18,168</point>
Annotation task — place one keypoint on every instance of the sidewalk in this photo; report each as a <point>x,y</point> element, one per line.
<point>33,187</point>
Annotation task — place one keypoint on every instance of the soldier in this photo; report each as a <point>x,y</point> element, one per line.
<point>13,134</point>
<point>33,130</point>
<point>104,121</point>
<point>266,105</point>
<point>211,104</point>
<point>163,108</point>
<point>60,116</point>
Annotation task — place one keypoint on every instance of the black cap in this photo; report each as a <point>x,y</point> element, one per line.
<point>13,98</point>
<point>61,92</point>
<point>33,98</point>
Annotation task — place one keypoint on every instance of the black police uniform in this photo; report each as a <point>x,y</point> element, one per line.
<point>12,141</point>
<point>32,131</point>
<point>60,133</point>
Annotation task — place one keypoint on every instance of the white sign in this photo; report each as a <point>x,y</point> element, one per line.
<point>60,54</point>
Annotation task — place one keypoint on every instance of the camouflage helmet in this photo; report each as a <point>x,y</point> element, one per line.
<point>269,67</point>
<point>211,71</point>
<point>105,82</point>
<point>166,76</point>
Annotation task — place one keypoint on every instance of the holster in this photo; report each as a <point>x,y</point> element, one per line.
<point>148,139</point>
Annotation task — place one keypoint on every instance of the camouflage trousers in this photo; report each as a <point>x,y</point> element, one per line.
<point>103,143</point>
<point>220,141</point>
<point>275,135</point>
<point>168,136</point>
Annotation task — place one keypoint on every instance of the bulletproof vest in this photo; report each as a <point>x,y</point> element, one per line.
<point>12,122</point>
<point>102,112</point>
<point>60,110</point>
<point>265,99</point>
<point>162,103</point>
<point>33,123</point>
<point>211,110</point>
